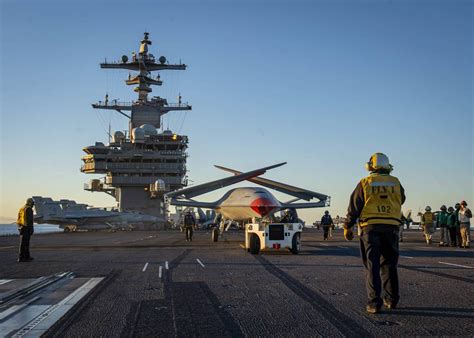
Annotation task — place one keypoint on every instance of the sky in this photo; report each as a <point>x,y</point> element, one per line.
<point>319,84</point>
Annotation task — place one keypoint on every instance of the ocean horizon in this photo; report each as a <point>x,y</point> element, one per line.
<point>11,229</point>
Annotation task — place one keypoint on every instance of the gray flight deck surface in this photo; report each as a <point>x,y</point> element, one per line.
<point>217,289</point>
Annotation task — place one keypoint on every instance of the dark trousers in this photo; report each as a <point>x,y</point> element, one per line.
<point>24,251</point>
<point>453,235</point>
<point>458,236</point>
<point>379,250</point>
<point>189,232</point>
<point>326,232</point>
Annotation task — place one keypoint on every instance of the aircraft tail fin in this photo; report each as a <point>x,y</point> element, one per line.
<point>46,207</point>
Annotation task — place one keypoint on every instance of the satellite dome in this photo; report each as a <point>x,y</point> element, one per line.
<point>167,132</point>
<point>149,129</point>
<point>160,185</point>
<point>162,59</point>
<point>138,135</point>
<point>118,137</point>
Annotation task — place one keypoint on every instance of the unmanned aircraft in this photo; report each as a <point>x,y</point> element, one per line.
<point>241,204</point>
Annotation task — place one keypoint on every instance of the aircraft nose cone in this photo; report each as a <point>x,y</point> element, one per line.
<point>262,206</point>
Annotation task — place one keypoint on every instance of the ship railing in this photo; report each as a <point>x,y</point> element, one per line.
<point>114,103</point>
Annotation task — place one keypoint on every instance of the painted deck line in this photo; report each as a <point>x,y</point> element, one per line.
<point>406,257</point>
<point>160,272</point>
<point>197,259</point>
<point>458,265</point>
<point>167,266</point>
<point>51,314</point>
<point>145,267</point>
<point>4,281</point>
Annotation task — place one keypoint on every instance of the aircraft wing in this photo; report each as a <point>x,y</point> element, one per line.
<point>200,189</point>
<point>195,204</point>
<point>321,204</point>
<point>281,187</point>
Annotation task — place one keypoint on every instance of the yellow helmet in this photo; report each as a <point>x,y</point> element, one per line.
<point>378,161</point>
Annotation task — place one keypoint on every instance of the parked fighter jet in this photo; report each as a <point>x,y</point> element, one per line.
<point>71,216</point>
<point>242,204</point>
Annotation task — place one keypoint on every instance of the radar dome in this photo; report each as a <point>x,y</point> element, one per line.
<point>160,185</point>
<point>124,58</point>
<point>149,129</point>
<point>138,135</point>
<point>162,59</point>
<point>118,137</point>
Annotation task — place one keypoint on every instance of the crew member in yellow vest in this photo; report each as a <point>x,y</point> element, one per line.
<point>376,204</point>
<point>427,223</point>
<point>25,227</point>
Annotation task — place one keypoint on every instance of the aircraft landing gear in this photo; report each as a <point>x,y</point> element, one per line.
<point>215,234</point>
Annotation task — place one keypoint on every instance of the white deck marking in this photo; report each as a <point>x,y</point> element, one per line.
<point>51,314</point>
<point>406,257</point>
<point>200,262</point>
<point>458,265</point>
<point>4,281</point>
<point>160,272</point>
<point>323,244</point>
<point>7,247</point>
<point>146,266</point>
<point>343,247</point>
<point>167,266</point>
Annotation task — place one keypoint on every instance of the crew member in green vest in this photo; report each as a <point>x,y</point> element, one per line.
<point>442,222</point>
<point>452,226</point>
<point>376,203</point>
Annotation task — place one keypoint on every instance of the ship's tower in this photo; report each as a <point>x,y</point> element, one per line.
<point>141,164</point>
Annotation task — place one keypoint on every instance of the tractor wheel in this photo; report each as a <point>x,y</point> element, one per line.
<point>254,244</point>
<point>296,244</point>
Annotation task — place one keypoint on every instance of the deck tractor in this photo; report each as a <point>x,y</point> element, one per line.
<point>273,237</point>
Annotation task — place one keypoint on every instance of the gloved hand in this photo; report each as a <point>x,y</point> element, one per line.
<point>348,234</point>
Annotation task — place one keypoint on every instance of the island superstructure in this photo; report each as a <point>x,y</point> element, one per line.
<point>142,164</point>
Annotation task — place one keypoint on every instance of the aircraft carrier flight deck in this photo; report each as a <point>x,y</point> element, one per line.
<point>156,284</point>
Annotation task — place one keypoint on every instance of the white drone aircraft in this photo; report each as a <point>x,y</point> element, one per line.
<point>241,204</point>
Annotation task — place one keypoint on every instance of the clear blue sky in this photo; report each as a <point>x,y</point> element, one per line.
<point>319,84</point>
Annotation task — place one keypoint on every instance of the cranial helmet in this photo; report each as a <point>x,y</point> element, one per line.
<point>378,161</point>
<point>30,201</point>
<point>428,208</point>
<point>443,207</point>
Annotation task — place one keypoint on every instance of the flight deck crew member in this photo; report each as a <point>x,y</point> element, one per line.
<point>189,223</point>
<point>457,208</point>
<point>442,221</point>
<point>377,203</point>
<point>452,226</point>
<point>25,227</point>
<point>427,223</point>
<point>464,221</point>
<point>326,223</point>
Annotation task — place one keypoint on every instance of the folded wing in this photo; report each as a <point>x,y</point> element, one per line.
<point>200,189</point>
<point>282,187</point>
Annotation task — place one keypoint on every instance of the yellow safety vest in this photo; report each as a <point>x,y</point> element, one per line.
<point>427,218</point>
<point>383,200</point>
<point>20,221</point>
